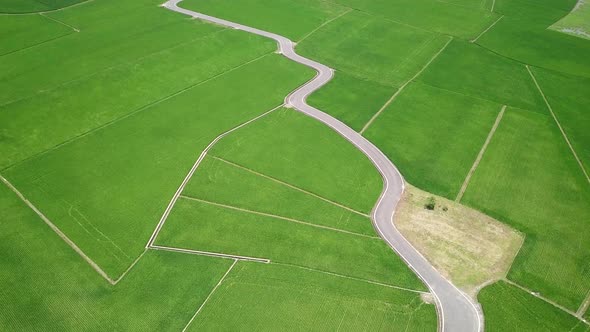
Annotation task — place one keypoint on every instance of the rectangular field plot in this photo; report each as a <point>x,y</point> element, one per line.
<point>47,286</point>
<point>292,19</point>
<point>276,297</point>
<point>440,16</point>
<point>134,29</point>
<point>117,92</point>
<point>22,31</point>
<point>351,100</point>
<point>372,48</point>
<point>291,147</point>
<point>220,182</point>
<point>536,45</point>
<point>529,179</point>
<point>434,135</point>
<point>123,175</point>
<point>206,227</point>
<point>569,97</point>
<point>508,308</point>
<point>472,70</point>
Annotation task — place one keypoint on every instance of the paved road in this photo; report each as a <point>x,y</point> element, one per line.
<point>457,312</point>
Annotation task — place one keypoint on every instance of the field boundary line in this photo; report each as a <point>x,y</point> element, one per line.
<point>130,267</point>
<point>47,11</point>
<point>401,88</point>
<point>353,278</point>
<point>584,306</point>
<point>210,254</point>
<point>493,6</point>
<point>539,296</point>
<point>132,113</point>
<point>209,296</point>
<point>559,125</point>
<point>488,28</point>
<point>480,154</point>
<point>28,47</point>
<point>348,10</point>
<point>270,215</point>
<point>59,233</point>
<point>192,171</point>
<point>290,186</point>
<point>60,22</point>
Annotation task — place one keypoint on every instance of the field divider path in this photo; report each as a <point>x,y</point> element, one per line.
<point>540,297</point>
<point>480,155</point>
<point>457,312</point>
<point>290,186</point>
<point>270,215</point>
<point>486,30</point>
<point>209,296</point>
<point>59,232</point>
<point>558,124</point>
<point>210,254</point>
<point>401,88</point>
<point>180,189</point>
<point>60,22</point>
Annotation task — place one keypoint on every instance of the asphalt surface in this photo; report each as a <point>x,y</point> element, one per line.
<point>456,311</point>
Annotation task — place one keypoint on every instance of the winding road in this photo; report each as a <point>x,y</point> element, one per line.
<point>457,312</point>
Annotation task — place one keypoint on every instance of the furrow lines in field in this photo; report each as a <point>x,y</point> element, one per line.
<point>390,100</point>
<point>289,185</point>
<point>209,296</point>
<point>480,155</point>
<point>353,278</point>
<point>276,217</point>
<point>559,125</point>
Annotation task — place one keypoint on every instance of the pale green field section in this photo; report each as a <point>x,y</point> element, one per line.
<point>529,179</point>
<point>434,135</point>
<point>474,71</point>
<point>32,6</point>
<point>221,182</point>
<point>577,22</point>
<point>372,48</point>
<point>124,174</point>
<point>508,308</point>
<point>278,297</point>
<point>292,19</point>
<point>569,97</point>
<point>296,149</point>
<point>23,31</point>
<point>312,157</point>
<point>46,286</point>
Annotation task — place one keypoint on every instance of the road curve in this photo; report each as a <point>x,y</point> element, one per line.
<point>457,312</point>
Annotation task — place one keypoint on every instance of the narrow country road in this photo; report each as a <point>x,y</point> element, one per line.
<point>457,312</point>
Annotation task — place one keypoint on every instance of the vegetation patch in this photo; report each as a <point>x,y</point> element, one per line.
<point>272,297</point>
<point>508,308</point>
<point>465,245</point>
<point>433,135</point>
<point>544,194</point>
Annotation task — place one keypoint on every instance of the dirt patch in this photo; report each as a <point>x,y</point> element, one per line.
<point>465,245</point>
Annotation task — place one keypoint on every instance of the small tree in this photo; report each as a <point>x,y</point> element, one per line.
<point>430,203</point>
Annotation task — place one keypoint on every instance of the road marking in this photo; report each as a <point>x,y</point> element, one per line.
<point>211,254</point>
<point>209,296</point>
<point>353,278</point>
<point>277,217</point>
<point>290,186</point>
<point>480,155</point>
<point>486,30</point>
<point>192,171</point>
<point>558,124</point>
<point>348,10</point>
<point>58,232</point>
<point>390,100</point>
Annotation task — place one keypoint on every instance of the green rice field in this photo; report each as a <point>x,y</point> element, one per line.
<point>105,105</point>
